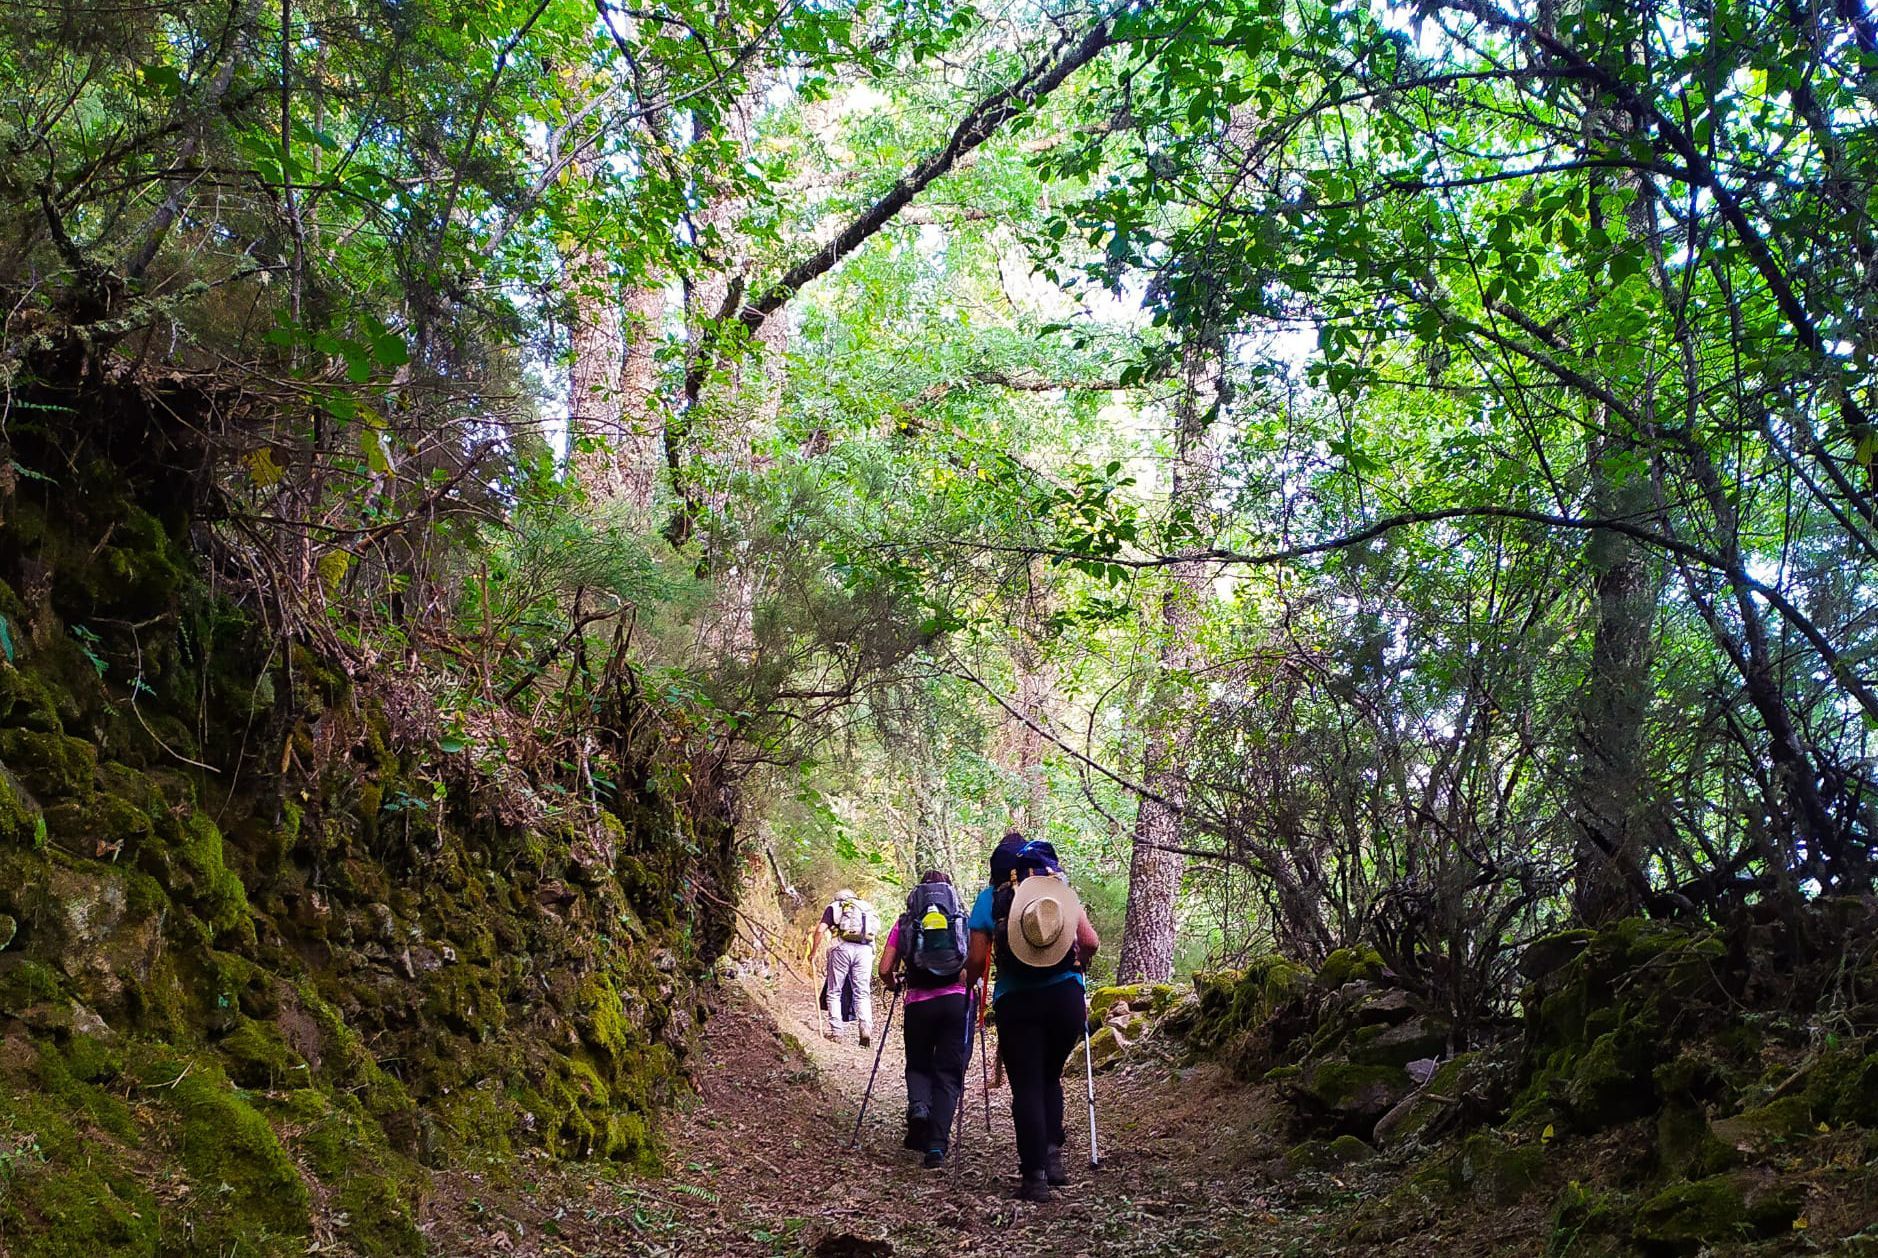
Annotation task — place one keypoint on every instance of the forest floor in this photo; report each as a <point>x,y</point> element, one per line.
<point>758,1164</point>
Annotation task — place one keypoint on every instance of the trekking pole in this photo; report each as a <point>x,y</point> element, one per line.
<point>1088,1061</point>
<point>958,1124</point>
<point>867,1096</point>
<point>984,1053</point>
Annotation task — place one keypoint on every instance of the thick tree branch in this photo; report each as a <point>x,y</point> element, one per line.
<point>977,126</point>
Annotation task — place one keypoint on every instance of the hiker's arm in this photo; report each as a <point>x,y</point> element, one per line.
<point>1087,941</point>
<point>815,940</point>
<point>977,957</point>
<point>889,957</point>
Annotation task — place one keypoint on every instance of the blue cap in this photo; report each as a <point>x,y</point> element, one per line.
<point>1038,857</point>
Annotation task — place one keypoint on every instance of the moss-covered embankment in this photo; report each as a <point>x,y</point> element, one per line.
<point>1665,1088</point>
<point>264,960</point>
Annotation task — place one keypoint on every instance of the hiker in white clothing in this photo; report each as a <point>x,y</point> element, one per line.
<point>850,923</point>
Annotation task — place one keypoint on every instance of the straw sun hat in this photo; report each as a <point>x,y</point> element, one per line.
<point>1044,915</point>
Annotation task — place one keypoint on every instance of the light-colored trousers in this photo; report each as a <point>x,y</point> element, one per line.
<point>855,959</point>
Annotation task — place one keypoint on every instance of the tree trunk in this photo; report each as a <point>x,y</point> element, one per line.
<point>730,412</point>
<point>1614,705</point>
<point>1155,869</point>
<point>639,455</point>
<point>598,355</point>
<point>1018,748</point>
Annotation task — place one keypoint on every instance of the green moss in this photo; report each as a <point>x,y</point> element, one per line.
<point>26,701</point>
<point>52,1211</point>
<point>258,1057</point>
<point>20,818</point>
<point>373,1187</point>
<point>1686,1216</point>
<point>1788,1119</point>
<point>247,1188</point>
<point>1311,1155</point>
<point>378,1219</point>
<point>1586,1222</point>
<point>216,891</point>
<point>25,982</point>
<point>1352,1090</point>
<point>371,801</point>
<point>1842,1088</point>
<point>71,1078</point>
<point>1347,965</point>
<point>1686,1146</point>
<point>1152,998</point>
<point>1104,999</point>
<point>1612,1082</point>
<point>1490,1168</point>
<point>51,765</point>
<point>1348,1149</point>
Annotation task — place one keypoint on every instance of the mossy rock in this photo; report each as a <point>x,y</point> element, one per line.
<point>1842,1088</point>
<point>1490,1168</point>
<point>1214,989</point>
<point>1760,1129</point>
<point>1420,1038</point>
<point>1689,1215</point>
<point>1104,1050</point>
<point>51,765</point>
<point>1587,1223</point>
<point>374,1187</point>
<point>1442,1091</point>
<point>1234,1003</point>
<point>223,1140</point>
<point>1327,1154</point>
<point>58,1211</point>
<point>21,820</point>
<point>25,982</point>
<point>79,1076</point>
<point>1347,1096</point>
<point>1347,965</point>
<point>1686,1146</point>
<point>1148,998</point>
<point>258,1057</point>
<point>1544,956</point>
<point>1613,1082</point>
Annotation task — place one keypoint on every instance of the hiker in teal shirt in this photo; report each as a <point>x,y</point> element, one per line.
<point>1042,945</point>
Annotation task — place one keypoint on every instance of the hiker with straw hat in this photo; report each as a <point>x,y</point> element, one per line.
<point>1033,923</point>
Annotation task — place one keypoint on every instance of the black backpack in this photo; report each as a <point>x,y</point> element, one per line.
<point>1009,964</point>
<point>932,936</point>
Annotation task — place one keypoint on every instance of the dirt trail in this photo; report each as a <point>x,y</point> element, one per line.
<point>758,1164</point>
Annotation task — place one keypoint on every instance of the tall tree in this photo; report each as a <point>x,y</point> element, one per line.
<point>1626,582</point>
<point>1157,864</point>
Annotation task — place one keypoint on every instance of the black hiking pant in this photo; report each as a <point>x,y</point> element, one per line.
<point>1037,1030</point>
<point>935,1062</point>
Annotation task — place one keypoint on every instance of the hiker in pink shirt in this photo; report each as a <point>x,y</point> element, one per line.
<point>926,951</point>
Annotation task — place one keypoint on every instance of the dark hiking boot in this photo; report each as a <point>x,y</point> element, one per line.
<point>935,1157</point>
<point>1036,1188</point>
<point>1053,1169</point>
<point>866,1039</point>
<point>917,1122</point>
